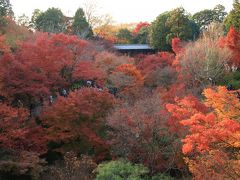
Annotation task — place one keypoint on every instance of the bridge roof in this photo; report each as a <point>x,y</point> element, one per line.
<point>132,47</point>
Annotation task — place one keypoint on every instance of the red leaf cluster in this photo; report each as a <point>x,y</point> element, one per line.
<point>152,62</point>
<point>87,70</point>
<point>81,114</point>
<point>18,133</point>
<point>183,109</point>
<point>177,45</point>
<point>40,65</point>
<point>232,41</point>
<point>139,26</point>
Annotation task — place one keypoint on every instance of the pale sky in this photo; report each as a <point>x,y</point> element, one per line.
<point>122,11</point>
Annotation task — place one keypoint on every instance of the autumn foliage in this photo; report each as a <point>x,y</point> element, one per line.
<point>128,80</point>
<point>109,62</point>
<point>167,111</point>
<point>4,48</point>
<point>140,133</point>
<point>87,70</point>
<point>139,26</point>
<point>39,66</point>
<point>153,62</point>
<point>210,133</point>
<point>177,45</point>
<point>80,115</point>
<point>18,133</point>
<point>232,41</point>
<point>158,70</point>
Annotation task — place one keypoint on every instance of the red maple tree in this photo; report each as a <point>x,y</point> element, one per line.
<point>232,41</point>
<point>19,133</point>
<point>80,115</point>
<point>40,66</point>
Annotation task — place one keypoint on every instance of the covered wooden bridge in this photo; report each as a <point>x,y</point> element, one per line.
<point>134,49</point>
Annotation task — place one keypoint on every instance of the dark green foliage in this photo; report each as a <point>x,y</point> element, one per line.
<point>195,29</point>
<point>233,18</point>
<point>208,16</point>
<point>219,13</point>
<point>5,8</point>
<point>203,18</point>
<point>232,78</point>
<point>51,21</point>
<point>143,36</point>
<point>124,36</point>
<point>169,25</point>
<point>80,26</point>
<point>180,26</point>
<point>159,31</point>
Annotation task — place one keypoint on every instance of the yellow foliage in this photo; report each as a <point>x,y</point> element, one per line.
<point>221,160</point>
<point>225,103</point>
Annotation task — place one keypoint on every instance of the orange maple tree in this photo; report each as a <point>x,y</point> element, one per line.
<point>210,134</point>
<point>128,80</point>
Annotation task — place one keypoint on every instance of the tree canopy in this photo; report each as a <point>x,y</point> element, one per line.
<point>208,16</point>
<point>80,26</point>
<point>51,21</point>
<point>233,18</point>
<point>6,8</point>
<point>72,108</point>
<point>159,31</point>
<point>169,25</point>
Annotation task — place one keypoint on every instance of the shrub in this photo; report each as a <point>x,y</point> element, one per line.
<point>121,169</point>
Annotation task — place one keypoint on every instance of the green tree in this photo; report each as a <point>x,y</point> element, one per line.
<point>5,8</point>
<point>180,26</point>
<point>142,36</point>
<point>35,15</point>
<point>203,18</point>
<point>51,21</point>
<point>159,31</point>
<point>233,18</point>
<point>80,26</point>
<point>169,25</point>
<point>219,13</point>
<point>208,16</point>
<point>124,36</point>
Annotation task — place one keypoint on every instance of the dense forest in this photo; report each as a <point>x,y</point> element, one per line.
<point>72,108</point>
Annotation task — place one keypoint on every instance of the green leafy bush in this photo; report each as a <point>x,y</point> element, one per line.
<point>121,169</point>
<point>232,78</point>
<point>124,170</point>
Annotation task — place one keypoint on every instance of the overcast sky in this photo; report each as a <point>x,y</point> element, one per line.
<point>122,11</point>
